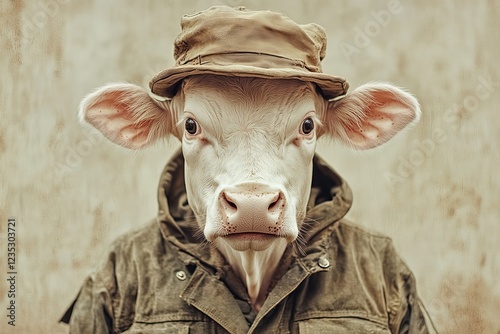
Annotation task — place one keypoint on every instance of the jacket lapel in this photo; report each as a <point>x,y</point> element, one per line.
<point>210,295</point>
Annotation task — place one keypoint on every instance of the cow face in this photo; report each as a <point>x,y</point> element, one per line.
<point>248,146</point>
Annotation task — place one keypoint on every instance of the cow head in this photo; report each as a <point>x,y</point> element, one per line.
<point>248,145</point>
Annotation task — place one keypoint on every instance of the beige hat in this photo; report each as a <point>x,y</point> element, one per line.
<point>238,42</point>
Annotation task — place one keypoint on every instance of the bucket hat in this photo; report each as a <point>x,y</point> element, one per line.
<point>238,42</point>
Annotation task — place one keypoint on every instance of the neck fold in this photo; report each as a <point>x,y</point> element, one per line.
<point>256,269</point>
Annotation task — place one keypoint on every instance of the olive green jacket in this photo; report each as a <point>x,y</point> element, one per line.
<point>162,278</point>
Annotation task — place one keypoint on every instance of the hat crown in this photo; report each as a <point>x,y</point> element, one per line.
<point>229,41</point>
<point>225,30</point>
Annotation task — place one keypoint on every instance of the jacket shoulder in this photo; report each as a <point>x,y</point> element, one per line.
<point>133,254</point>
<point>405,309</point>
<point>140,236</point>
<point>111,291</point>
<point>371,246</point>
<point>357,236</point>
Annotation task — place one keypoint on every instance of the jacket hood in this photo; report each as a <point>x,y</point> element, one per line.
<point>330,200</point>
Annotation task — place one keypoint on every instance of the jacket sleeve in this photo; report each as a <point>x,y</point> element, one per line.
<point>406,311</point>
<point>92,311</point>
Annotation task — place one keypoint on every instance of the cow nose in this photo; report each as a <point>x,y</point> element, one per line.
<point>252,209</point>
<point>248,201</point>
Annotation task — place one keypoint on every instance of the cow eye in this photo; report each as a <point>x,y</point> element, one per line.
<point>307,126</point>
<point>191,126</point>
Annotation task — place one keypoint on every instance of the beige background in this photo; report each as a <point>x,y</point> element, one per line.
<point>434,189</point>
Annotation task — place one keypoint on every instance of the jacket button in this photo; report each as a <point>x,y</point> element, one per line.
<point>323,262</point>
<point>180,275</point>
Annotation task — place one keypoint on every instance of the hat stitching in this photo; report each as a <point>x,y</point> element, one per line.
<point>204,59</point>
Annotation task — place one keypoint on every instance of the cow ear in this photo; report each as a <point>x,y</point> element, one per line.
<point>127,115</point>
<point>370,115</point>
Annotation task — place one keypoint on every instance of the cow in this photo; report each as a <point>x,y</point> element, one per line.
<point>248,102</point>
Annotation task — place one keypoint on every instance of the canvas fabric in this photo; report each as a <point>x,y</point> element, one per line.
<point>238,42</point>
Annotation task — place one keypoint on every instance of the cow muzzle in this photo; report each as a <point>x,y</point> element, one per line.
<point>251,212</point>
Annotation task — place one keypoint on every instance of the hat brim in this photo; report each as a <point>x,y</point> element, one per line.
<point>166,83</point>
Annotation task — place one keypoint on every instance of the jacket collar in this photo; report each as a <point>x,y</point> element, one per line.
<point>330,200</point>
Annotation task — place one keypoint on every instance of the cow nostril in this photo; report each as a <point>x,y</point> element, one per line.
<point>229,202</point>
<point>276,202</point>
<point>232,204</point>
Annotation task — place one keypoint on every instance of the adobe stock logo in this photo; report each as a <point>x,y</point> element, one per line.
<point>363,36</point>
<point>75,154</point>
<point>39,18</point>
<point>422,149</point>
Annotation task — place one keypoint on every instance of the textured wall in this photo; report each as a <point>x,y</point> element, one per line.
<point>433,189</point>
